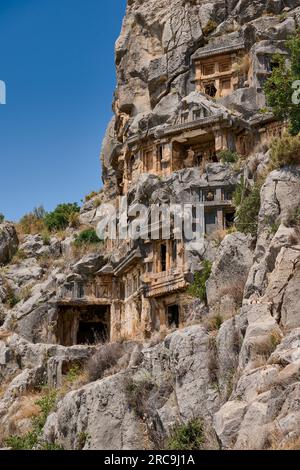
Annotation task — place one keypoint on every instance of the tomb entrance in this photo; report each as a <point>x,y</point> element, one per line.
<point>85,325</point>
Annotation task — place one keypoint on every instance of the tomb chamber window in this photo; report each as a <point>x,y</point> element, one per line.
<point>163,257</point>
<point>173,316</point>
<point>211,90</point>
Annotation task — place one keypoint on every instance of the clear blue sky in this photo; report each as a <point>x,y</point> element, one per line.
<point>57,59</point>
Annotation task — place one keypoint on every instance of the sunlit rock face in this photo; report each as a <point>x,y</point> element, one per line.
<point>133,346</point>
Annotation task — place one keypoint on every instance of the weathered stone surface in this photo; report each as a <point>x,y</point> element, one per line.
<point>227,422</point>
<point>242,377</point>
<point>177,367</point>
<point>229,273</point>
<point>8,242</point>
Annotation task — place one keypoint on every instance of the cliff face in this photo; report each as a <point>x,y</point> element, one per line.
<point>154,63</point>
<point>234,361</point>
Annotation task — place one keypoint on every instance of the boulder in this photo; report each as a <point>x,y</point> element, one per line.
<point>230,270</point>
<point>8,242</point>
<point>227,422</point>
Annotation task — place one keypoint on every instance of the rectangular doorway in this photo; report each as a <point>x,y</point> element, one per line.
<point>173,316</point>
<point>83,325</point>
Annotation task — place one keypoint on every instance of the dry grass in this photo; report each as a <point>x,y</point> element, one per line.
<point>213,323</point>
<point>4,335</point>
<point>137,391</point>
<point>26,292</point>
<point>159,336</point>
<point>243,64</point>
<point>79,252</point>
<point>213,365</point>
<point>258,361</point>
<point>234,291</point>
<point>75,378</point>
<point>218,236</point>
<point>18,257</point>
<point>292,444</point>
<point>268,344</point>
<point>277,441</point>
<point>285,151</point>
<point>28,407</point>
<point>46,261</point>
<point>105,358</point>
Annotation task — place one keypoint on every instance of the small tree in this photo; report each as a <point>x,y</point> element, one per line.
<point>2,218</point>
<point>60,218</point>
<point>188,436</point>
<point>279,87</point>
<point>248,209</point>
<point>228,156</point>
<point>87,237</point>
<point>198,288</point>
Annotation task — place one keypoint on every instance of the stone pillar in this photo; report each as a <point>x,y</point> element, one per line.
<point>115,320</point>
<point>169,254</point>
<point>220,140</point>
<point>219,194</point>
<point>146,323</point>
<point>220,219</point>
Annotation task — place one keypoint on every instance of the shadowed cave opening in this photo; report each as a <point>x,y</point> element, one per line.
<point>173,316</point>
<point>83,325</point>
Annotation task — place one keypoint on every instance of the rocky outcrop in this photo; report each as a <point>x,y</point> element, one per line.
<point>8,242</point>
<point>106,412</point>
<point>225,287</point>
<point>237,368</point>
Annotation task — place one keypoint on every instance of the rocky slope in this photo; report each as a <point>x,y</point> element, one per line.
<point>241,377</point>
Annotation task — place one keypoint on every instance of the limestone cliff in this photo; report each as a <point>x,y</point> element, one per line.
<point>233,359</point>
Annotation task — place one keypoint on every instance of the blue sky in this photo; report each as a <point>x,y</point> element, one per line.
<point>57,60</point>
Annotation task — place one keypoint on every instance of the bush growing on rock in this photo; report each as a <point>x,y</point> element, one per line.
<point>11,298</point>
<point>87,237</point>
<point>31,440</point>
<point>248,210</point>
<point>188,436</point>
<point>285,151</point>
<point>137,391</point>
<point>279,87</point>
<point>2,218</point>
<point>60,218</point>
<point>227,156</point>
<point>198,288</point>
<point>91,195</point>
<point>31,224</point>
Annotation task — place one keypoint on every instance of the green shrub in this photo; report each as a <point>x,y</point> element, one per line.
<point>11,298</point>
<point>60,218</point>
<point>137,391</point>
<point>248,209</point>
<point>87,237</point>
<point>285,151</point>
<point>188,436</point>
<point>81,440</point>
<point>198,288</point>
<point>90,196</point>
<point>2,218</point>
<point>74,373</point>
<point>30,440</point>
<point>279,87</point>
<point>46,237</point>
<point>227,156</point>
